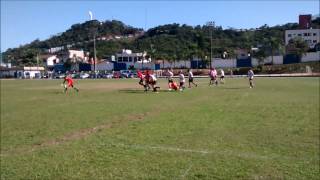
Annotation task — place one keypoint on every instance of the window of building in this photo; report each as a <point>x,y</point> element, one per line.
<point>130,59</point>
<point>125,59</point>
<point>299,34</point>
<point>314,34</point>
<point>119,59</point>
<point>289,35</point>
<point>314,41</point>
<point>135,59</point>
<point>305,34</point>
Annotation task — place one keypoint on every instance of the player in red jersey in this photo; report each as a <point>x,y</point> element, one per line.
<point>141,77</point>
<point>174,86</point>
<point>70,81</point>
<point>147,80</point>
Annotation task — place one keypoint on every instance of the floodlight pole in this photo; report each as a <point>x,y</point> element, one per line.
<point>94,48</point>
<point>95,55</point>
<point>211,25</point>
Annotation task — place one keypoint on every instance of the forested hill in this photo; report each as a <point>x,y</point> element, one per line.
<point>171,41</point>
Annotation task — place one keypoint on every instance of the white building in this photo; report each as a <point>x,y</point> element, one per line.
<point>74,55</point>
<point>130,58</point>
<point>21,72</point>
<point>52,60</point>
<point>310,36</point>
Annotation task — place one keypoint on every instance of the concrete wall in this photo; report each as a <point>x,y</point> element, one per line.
<point>224,63</point>
<point>268,60</point>
<point>144,65</point>
<point>216,62</point>
<point>104,66</point>
<point>311,56</point>
<point>177,64</point>
<point>4,74</point>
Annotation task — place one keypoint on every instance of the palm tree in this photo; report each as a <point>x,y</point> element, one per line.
<point>274,44</point>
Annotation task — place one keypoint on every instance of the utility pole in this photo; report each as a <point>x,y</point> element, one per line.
<point>94,48</point>
<point>95,55</point>
<point>211,25</point>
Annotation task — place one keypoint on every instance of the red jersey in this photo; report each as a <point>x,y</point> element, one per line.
<point>174,86</point>
<point>69,80</point>
<point>140,75</point>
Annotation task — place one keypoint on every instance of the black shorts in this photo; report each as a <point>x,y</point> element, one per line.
<point>250,79</point>
<point>222,77</point>
<point>181,84</point>
<point>191,79</point>
<point>170,81</point>
<point>213,78</point>
<point>153,83</point>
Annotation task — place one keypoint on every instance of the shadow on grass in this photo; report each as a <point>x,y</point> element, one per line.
<point>141,91</point>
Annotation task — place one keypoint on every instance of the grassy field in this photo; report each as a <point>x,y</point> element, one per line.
<point>111,129</point>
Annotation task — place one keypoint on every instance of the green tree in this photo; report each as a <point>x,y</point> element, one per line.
<point>260,55</point>
<point>298,47</point>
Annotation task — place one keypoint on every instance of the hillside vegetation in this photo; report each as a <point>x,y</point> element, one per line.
<point>170,41</point>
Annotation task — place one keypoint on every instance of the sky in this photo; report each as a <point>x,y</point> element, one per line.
<point>27,20</point>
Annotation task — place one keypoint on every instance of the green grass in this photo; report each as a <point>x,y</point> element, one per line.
<point>112,130</point>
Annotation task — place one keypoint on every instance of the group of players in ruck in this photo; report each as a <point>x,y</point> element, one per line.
<point>149,80</point>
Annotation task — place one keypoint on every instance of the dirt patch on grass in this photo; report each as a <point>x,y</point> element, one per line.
<point>79,134</point>
<point>82,133</point>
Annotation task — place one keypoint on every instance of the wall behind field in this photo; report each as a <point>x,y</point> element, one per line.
<point>311,56</point>
<point>224,63</point>
<point>177,64</point>
<point>268,60</point>
<point>216,62</point>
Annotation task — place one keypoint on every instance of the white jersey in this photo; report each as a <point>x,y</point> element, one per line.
<point>250,74</point>
<point>181,78</point>
<point>190,74</point>
<point>153,77</point>
<point>170,75</point>
<point>222,72</point>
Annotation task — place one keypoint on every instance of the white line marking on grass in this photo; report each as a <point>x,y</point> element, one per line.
<point>246,155</point>
<point>186,172</point>
<point>203,152</point>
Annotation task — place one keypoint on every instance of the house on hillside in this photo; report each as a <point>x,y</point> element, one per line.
<point>51,61</point>
<point>74,56</point>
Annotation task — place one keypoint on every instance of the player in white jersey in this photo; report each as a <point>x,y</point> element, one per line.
<point>153,82</point>
<point>170,80</point>
<point>221,76</point>
<point>251,75</point>
<point>213,77</point>
<point>182,80</point>
<point>190,76</point>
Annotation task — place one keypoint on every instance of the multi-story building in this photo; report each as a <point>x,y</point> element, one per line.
<point>310,36</point>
